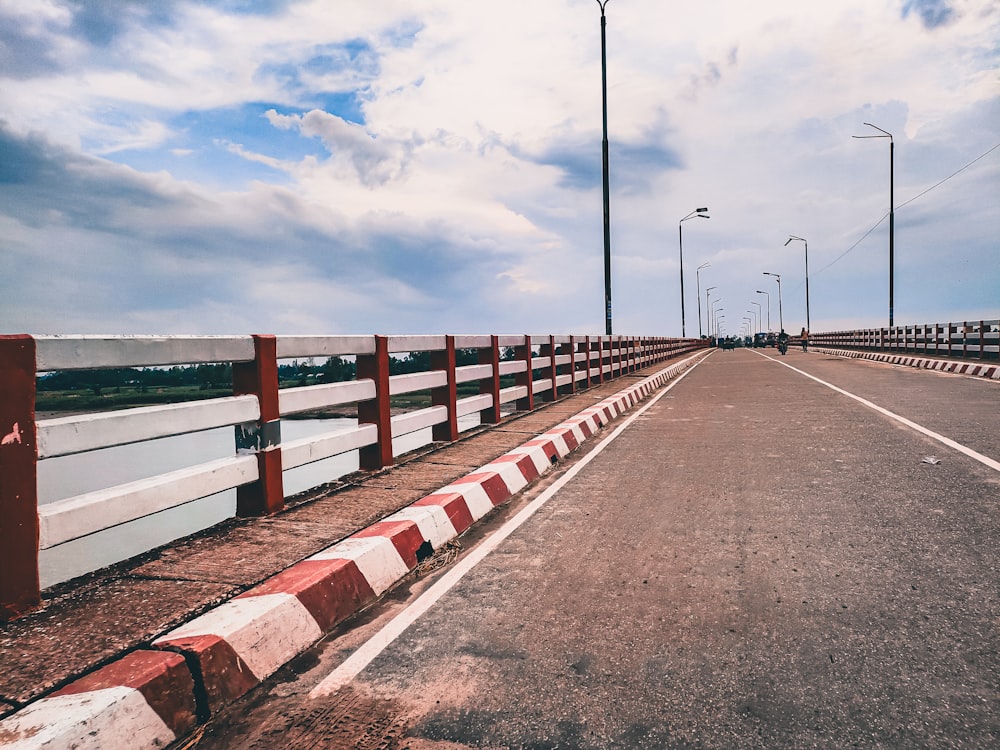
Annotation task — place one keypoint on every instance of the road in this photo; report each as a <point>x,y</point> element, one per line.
<point>755,561</point>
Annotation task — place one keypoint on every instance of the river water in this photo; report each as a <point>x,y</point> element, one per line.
<point>66,476</point>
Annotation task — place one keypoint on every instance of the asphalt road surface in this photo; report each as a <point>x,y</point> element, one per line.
<point>755,561</point>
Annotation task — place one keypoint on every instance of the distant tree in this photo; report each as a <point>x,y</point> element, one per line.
<point>337,370</point>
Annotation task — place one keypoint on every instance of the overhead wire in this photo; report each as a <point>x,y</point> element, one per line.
<point>905,203</point>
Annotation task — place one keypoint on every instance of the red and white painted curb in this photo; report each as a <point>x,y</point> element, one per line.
<point>147,699</point>
<point>973,369</point>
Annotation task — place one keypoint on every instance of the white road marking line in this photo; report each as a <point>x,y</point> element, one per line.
<point>370,649</point>
<point>985,460</point>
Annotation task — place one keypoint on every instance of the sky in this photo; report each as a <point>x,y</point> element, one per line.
<point>434,166</point>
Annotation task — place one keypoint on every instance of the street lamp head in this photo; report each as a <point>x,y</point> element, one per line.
<point>703,265</point>
<point>699,212</point>
<point>886,133</point>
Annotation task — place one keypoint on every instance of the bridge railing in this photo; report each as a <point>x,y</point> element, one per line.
<point>968,339</point>
<point>541,369</point>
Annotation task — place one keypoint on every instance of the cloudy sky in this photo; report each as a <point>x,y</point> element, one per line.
<point>433,166</point>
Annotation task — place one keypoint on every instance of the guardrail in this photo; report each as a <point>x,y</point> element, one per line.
<point>543,368</point>
<point>971,340</point>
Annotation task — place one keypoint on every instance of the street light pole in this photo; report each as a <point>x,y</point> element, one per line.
<point>697,278</point>
<point>708,309</point>
<point>781,320</point>
<point>680,245</point>
<point>760,315</point>
<point>768,309</point>
<point>604,165</point>
<point>892,205</point>
<point>790,238</point>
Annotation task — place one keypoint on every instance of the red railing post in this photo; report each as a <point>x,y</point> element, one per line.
<point>600,358</point>
<point>260,378</point>
<point>20,589</point>
<point>377,410</point>
<point>446,395</point>
<point>549,350</point>
<point>523,353</point>
<point>491,385</point>
<point>571,368</point>
<point>587,348</point>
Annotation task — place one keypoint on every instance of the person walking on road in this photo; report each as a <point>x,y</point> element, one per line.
<point>804,336</point>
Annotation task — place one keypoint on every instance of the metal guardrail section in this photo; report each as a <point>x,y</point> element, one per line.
<point>970,339</point>
<point>543,367</point>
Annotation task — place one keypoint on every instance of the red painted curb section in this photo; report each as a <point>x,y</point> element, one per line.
<point>145,699</point>
<point>989,371</point>
<point>148,696</point>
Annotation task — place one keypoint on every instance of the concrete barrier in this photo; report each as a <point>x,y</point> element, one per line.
<point>959,367</point>
<point>145,699</point>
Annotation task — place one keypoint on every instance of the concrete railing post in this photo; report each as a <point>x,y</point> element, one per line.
<point>570,369</point>
<point>491,385</point>
<point>586,364</point>
<point>260,378</point>
<point>548,349</point>
<point>19,582</point>
<point>377,410</point>
<point>446,395</point>
<point>600,357</point>
<point>523,353</point>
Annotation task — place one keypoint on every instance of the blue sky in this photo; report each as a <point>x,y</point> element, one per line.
<point>434,166</point>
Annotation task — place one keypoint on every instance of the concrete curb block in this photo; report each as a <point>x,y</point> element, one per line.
<point>150,698</point>
<point>145,699</point>
<point>991,372</point>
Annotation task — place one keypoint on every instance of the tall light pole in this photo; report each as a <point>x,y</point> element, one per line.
<point>768,308</point>
<point>604,164</point>
<point>708,309</point>
<point>753,319</point>
<point>700,212</point>
<point>781,320</point>
<point>790,238</point>
<point>715,317</point>
<point>760,315</point>
<point>892,202</point>
<point>697,278</point>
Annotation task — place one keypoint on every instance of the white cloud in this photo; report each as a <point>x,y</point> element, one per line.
<point>470,169</point>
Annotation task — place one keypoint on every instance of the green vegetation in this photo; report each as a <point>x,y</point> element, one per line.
<point>99,390</point>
